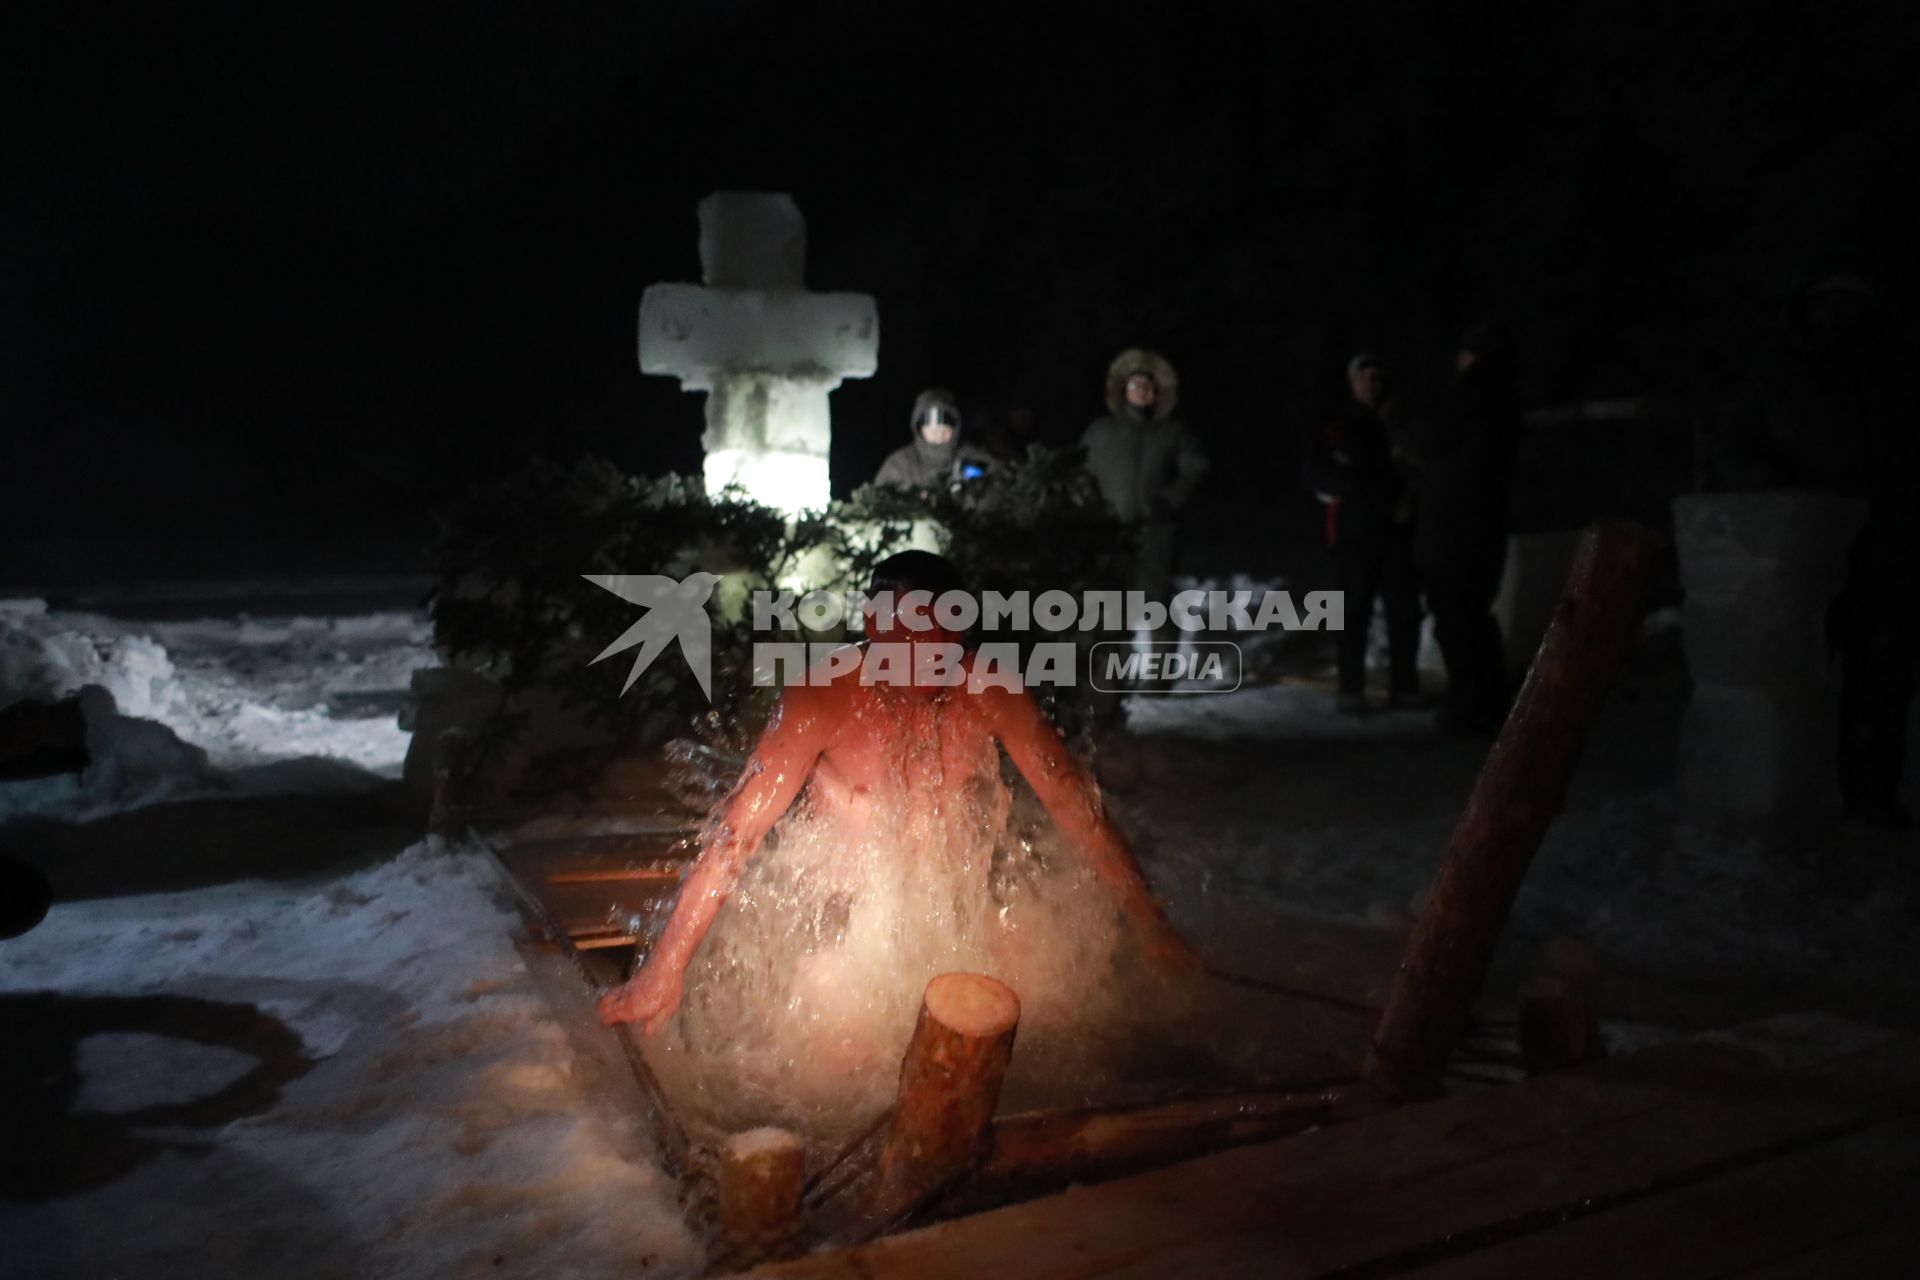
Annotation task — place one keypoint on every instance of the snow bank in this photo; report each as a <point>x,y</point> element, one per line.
<point>135,762</point>
<point>46,655</point>
<point>184,704</point>
<point>441,1132</point>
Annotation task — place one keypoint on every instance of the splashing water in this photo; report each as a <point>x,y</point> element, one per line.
<point>802,998</point>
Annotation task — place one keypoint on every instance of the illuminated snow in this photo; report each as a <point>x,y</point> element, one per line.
<point>443,1130</point>
<point>205,706</point>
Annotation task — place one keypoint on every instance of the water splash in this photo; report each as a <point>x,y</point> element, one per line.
<point>802,997</point>
<point>800,1002</point>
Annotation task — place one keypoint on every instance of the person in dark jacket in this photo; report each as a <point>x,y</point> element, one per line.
<point>1359,467</point>
<point>1145,461</point>
<point>1014,429</point>
<point>1460,537</point>
<point>936,458</point>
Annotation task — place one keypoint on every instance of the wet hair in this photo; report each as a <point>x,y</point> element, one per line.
<point>906,571</point>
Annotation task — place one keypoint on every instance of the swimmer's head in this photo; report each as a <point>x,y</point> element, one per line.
<point>911,582</point>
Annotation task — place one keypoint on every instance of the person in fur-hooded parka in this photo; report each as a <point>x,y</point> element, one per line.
<point>1146,462</point>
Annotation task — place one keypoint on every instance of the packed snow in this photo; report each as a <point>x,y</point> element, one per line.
<point>1267,796</point>
<point>433,1122</point>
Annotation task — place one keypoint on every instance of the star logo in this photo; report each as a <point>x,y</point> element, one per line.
<point>673,609</point>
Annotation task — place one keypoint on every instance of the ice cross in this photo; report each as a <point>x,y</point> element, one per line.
<point>766,352</point>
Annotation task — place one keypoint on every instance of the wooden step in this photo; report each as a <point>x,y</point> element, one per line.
<point>1427,1186</point>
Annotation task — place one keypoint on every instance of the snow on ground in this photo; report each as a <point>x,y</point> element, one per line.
<point>430,1120</point>
<point>200,706</point>
<point>345,1076</point>
<point>390,1097</point>
<point>1289,710</point>
<point>1267,796</point>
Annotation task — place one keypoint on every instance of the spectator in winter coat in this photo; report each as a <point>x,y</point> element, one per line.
<point>1145,461</point>
<point>1460,536</point>
<point>935,459</point>
<point>1015,428</point>
<point>1359,467</point>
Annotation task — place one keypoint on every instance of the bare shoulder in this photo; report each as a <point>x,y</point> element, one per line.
<point>996,703</point>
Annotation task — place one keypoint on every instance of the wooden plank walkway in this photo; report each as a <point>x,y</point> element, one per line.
<point>1789,1148</point>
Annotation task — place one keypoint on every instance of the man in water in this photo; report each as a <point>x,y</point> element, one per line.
<point>920,744</point>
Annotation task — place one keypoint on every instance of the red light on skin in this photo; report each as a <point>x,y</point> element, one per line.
<point>908,618</point>
<point>859,733</point>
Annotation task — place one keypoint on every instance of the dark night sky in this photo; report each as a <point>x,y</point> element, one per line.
<point>275,269</point>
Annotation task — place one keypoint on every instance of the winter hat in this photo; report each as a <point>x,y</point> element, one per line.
<point>1156,366</point>
<point>935,402</point>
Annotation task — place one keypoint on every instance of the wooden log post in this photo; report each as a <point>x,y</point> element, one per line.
<point>941,1124</point>
<point>762,1173</point>
<point>1519,790</point>
<point>451,770</point>
<point>1558,1027</point>
<point>1557,1022</point>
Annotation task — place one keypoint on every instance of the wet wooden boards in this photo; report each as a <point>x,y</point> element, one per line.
<point>1790,1148</point>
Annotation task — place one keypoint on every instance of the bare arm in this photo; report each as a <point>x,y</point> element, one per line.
<point>778,768</point>
<point>1073,800</point>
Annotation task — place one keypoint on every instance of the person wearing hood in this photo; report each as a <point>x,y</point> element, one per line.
<point>1146,462</point>
<point>936,459</point>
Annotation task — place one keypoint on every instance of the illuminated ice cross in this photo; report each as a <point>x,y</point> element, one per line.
<point>766,352</point>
